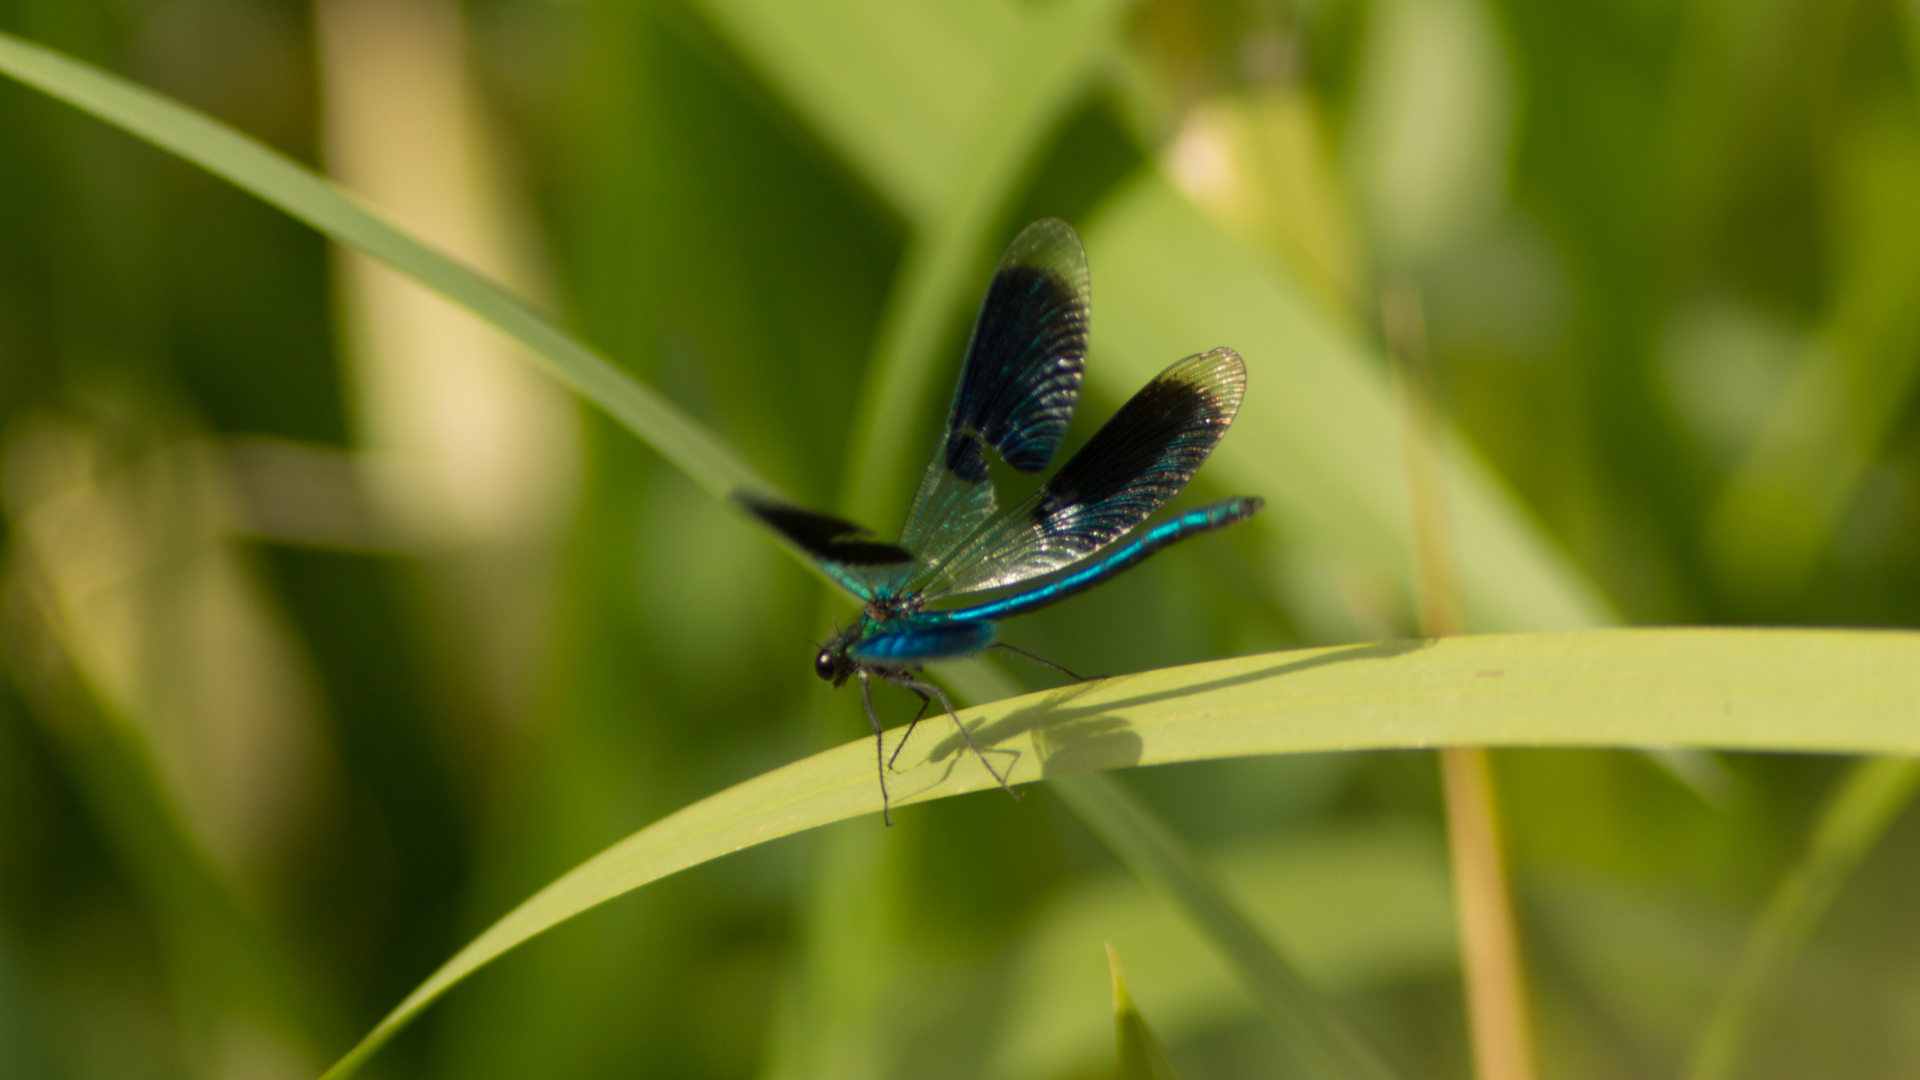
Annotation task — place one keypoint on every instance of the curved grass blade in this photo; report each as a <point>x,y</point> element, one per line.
<point>1322,1044</point>
<point>1870,796</point>
<point>284,183</point>
<point>1771,690</point>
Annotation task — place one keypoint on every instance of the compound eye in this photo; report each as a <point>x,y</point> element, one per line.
<point>824,666</point>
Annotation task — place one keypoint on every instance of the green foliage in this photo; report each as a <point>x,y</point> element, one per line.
<point>310,680</point>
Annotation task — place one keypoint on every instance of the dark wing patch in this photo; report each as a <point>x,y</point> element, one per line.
<point>1140,458</point>
<point>1024,362</point>
<point>1017,388</point>
<point>823,536</point>
<point>1130,468</point>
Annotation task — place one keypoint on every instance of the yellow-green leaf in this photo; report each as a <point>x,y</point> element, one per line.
<point>1777,690</point>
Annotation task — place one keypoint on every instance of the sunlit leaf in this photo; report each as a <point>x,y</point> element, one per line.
<point>1778,690</point>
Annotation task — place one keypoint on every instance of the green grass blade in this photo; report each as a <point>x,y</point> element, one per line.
<point>290,186</point>
<point>1868,799</point>
<point>1322,1043</point>
<point>1140,1055</point>
<point>1774,690</point>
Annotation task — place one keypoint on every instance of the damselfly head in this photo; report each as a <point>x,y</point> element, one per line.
<point>825,666</point>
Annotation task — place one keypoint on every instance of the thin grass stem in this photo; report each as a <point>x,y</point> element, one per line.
<point>1490,960</point>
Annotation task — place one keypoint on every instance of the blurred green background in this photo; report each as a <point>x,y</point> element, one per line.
<point>332,630</point>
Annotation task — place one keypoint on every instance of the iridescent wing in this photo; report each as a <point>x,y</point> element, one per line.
<point>1130,468</point>
<point>844,551</point>
<point>1017,387</point>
